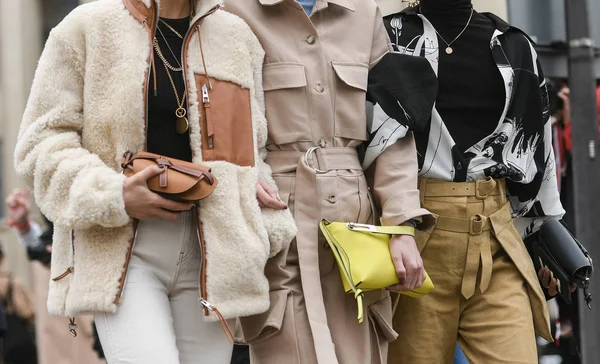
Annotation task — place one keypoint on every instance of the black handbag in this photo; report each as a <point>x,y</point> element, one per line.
<point>556,248</point>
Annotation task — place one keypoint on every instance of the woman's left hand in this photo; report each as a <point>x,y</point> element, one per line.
<point>551,283</point>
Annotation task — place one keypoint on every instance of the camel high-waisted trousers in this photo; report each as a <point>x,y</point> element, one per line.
<point>486,296</point>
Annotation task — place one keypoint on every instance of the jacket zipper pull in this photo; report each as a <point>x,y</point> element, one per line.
<point>224,323</point>
<point>66,273</point>
<point>209,127</point>
<point>72,327</point>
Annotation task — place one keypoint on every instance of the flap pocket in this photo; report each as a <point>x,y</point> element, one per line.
<point>352,74</point>
<point>261,327</point>
<point>279,76</point>
<point>381,314</point>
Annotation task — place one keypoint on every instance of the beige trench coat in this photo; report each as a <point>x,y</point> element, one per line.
<point>315,81</point>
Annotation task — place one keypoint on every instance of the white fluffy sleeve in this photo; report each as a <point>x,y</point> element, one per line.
<point>72,186</point>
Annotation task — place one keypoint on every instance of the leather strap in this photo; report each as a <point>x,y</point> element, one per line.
<point>480,189</point>
<point>168,164</point>
<point>474,225</point>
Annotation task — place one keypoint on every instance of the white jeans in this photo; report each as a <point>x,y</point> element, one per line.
<point>159,319</point>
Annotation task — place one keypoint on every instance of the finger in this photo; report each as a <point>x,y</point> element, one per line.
<point>400,271</point>
<point>411,270</point>
<point>546,278</point>
<point>148,172</point>
<point>421,279</point>
<point>553,289</point>
<point>269,201</point>
<point>573,287</point>
<point>171,205</point>
<point>166,215</point>
<point>398,288</point>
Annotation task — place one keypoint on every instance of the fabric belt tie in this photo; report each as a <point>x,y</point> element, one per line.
<point>309,166</point>
<point>478,226</point>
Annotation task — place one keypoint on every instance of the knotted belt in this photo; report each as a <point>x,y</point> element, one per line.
<point>309,167</point>
<point>479,246</point>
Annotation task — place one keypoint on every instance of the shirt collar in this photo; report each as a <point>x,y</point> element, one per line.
<point>347,4</point>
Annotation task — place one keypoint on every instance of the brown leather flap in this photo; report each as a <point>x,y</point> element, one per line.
<point>188,180</point>
<point>176,182</point>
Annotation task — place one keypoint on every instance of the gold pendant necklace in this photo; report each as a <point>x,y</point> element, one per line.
<point>449,49</point>
<point>182,124</point>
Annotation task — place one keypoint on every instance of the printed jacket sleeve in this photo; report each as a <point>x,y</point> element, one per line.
<point>530,214</point>
<point>395,169</point>
<point>280,224</point>
<point>73,187</point>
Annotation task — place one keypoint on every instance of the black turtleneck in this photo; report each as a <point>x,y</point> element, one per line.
<point>471,90</point>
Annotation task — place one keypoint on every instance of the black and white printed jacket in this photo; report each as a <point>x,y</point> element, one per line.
<point>520,149</point>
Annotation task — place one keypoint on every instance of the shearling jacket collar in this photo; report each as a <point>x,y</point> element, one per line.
<point>143,9</point>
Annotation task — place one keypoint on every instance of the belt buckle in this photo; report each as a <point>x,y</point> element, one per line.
<point>477,224</point>
<point>313,150</point>
<point>479,184</point>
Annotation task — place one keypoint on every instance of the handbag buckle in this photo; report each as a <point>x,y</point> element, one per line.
<point>361,227</point>
<point>313,150</point>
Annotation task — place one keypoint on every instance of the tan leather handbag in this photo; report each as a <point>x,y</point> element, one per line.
<point>180,180</point>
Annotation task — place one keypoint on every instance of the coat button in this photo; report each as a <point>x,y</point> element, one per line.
<point>319,88</point>
<point>311,39</point>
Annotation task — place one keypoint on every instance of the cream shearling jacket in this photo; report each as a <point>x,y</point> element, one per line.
<point>88,107</point>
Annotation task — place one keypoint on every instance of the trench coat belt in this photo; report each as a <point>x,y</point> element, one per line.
<point>308,167</point>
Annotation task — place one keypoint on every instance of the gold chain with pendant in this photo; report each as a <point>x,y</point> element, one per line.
<point>449,49</point>
<point>182,123</point>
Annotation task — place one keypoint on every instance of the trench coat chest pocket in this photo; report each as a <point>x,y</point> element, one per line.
<point>286,99</point>
<point>350,96</point>
<point>226,122</point>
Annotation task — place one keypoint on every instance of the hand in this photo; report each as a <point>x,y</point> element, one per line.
<point>408,262</point>
<point>268,197</point>
<point>141,203</point>
<point>551,283</point>
<point>19,205</point>
<point>565,94</point>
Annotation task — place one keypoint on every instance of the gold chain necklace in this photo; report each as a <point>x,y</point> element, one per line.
<point>172,29</point>
<point>449,49</point>
<point>164,60</point>
<point>181,124</point>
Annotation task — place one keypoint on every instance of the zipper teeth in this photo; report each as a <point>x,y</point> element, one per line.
<point>186,40</point>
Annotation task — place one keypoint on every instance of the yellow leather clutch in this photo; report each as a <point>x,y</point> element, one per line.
<point>363,255</point>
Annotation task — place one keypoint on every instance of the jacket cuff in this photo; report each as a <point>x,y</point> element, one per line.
<point>406,206</point>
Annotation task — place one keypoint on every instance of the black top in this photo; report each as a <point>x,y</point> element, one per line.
<point>161,135</point>
<point>471,89</point>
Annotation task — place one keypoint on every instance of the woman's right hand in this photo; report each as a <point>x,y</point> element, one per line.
<point>141,203</point>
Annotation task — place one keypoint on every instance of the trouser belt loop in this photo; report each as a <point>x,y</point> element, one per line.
<point>484,187</point>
